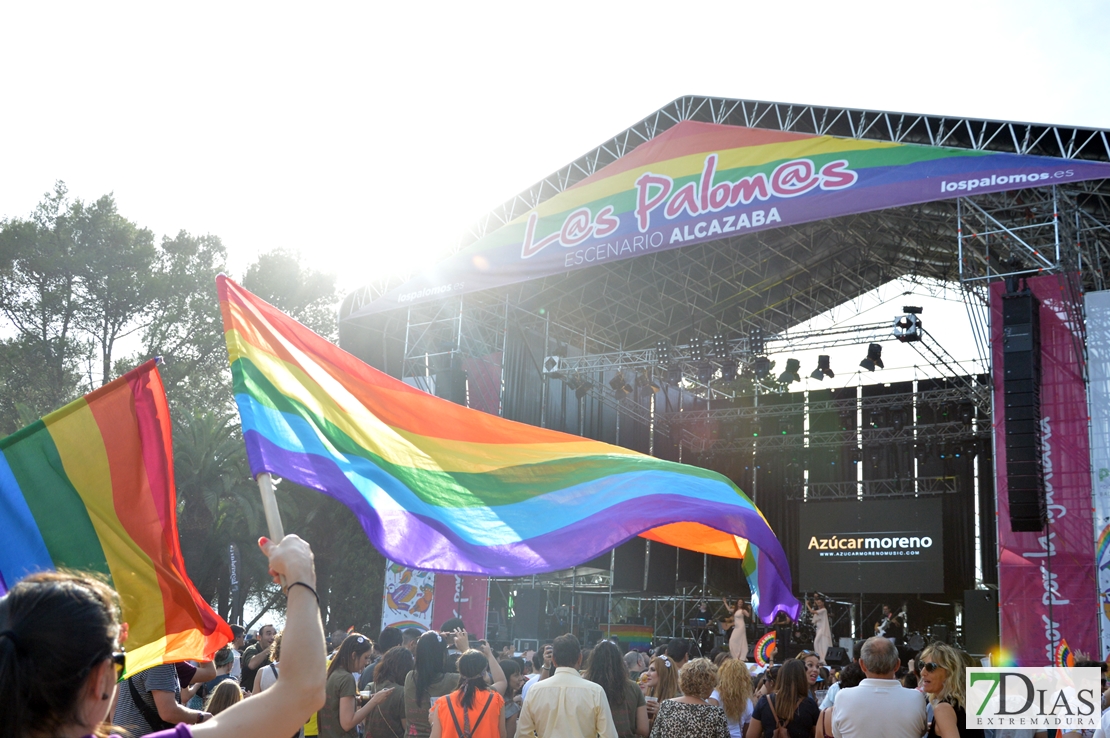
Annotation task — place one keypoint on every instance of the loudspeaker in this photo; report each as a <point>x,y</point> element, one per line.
<point>980,620</point>
<point>527,610</point>
<point>451,385</point>
<point>691,565</point>
<point>628,574</point>
<point>836,656</point>
<point>662,560</point>
<point>1021,367</point>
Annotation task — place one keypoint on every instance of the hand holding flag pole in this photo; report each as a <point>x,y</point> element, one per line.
<point>270,509</point>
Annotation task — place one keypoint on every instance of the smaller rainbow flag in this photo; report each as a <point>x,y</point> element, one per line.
<point>1063,656</point>
<point>636,637</point>
<point>765,649</point>
<point>90,487</point>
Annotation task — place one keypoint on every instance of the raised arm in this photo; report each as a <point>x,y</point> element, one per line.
<point>283,708</point>
<point>738,641</point>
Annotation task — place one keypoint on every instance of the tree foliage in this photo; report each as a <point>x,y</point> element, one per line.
<point>78,278</point>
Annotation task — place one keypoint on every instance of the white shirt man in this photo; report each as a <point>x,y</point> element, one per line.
<point>879,707</point>
<point>566,705</point>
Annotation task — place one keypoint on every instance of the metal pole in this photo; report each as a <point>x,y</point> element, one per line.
<point>544,381</point>
<point>270,510</point>
<point>612,569</point>
<point>504,351</point>
<point>573,586</point>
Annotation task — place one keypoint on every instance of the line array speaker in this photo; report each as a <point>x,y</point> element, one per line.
<point>1021,366</point>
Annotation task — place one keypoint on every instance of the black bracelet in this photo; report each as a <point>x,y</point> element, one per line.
<point>302,584</point>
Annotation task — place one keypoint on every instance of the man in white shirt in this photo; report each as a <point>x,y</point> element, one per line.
<point>565,705</point>
<point>879,707</point>
<point>237,645</point>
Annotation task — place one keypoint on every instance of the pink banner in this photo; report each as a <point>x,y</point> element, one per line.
<point>462,597</point>
<point>1046,581</point>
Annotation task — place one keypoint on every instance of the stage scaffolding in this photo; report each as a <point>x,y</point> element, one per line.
<point>614,318</point>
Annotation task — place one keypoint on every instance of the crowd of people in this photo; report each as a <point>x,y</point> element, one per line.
<point>62,655</point>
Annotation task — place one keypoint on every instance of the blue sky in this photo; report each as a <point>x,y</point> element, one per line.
<point>369,136</point>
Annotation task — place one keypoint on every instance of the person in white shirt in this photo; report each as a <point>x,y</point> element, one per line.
<point>565,705</point>
<point>880,707</point>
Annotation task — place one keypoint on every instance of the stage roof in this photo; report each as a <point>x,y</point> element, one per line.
<point>861,197</point>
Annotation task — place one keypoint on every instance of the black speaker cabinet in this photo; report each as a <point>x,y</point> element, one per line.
<point>528,607</point>
<point>1021,366</point>
<point>836,656</point>
<point>980,620</point>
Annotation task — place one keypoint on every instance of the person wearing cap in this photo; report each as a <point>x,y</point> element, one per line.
<point>223,661</point>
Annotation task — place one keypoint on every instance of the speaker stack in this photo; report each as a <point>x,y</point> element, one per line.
<point>1021,364</point>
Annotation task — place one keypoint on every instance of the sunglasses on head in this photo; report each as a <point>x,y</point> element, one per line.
<point>931,666</point>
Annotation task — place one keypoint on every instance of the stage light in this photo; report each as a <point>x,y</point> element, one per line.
<point>855,455</point>
<point>908,327</point>
<point>697,351</point>
<point>729,369</point>
<point>705,373</point>
<point>761,367</point>
<point>921,452</point>
<point>663,352</point>
<point>898,418</point>
<point>791,373</point>
<point>620,387</point>
<point>579,384</point>
<point>822,369</point>
<point>719,346</point>
<point>874,358</point>
<point>756,341</point>
<point>967,413</point>
<point>644,380</point>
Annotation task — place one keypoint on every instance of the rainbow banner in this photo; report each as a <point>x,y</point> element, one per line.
<point>636,637</point>
<point>90,487</point>
<point>699,182</point>
<point>445,488</point>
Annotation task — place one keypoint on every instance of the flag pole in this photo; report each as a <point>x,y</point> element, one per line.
<point>270,507</point>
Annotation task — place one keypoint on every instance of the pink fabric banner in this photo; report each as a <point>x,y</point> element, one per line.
<point>462,597</point>
<point>1046,581</point>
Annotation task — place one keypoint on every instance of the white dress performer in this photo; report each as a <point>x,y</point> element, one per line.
<point>822,640</point>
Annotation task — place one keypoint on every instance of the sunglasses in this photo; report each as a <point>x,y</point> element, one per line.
<point>931,666</point>
<point>119,658</point>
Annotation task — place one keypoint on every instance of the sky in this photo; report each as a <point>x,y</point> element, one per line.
<point>369,136</point>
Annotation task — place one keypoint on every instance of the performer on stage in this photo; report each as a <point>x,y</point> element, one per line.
<point>784,634</point>
<point>822,640</point>
<point>737,633</point>
<point>890,626</point>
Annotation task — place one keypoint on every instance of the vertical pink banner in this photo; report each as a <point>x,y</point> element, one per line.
<point>1047,589</point>
<point>462,597</point>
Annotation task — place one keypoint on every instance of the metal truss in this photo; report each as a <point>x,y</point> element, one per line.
<point>936,433</point>
<point>916,487</point>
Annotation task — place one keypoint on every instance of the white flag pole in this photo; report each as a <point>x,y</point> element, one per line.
<point>270,507</point>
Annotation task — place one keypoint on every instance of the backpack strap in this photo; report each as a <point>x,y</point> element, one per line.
<point>454,718</point>
<point>153,719</point>
<point>482,714</point>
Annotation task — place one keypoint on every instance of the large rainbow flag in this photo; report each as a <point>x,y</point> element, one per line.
<point>442,487</point>
<point>699,182</point>
<point>90,487</point>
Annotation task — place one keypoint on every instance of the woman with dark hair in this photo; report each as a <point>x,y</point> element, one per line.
<point>341,714</point>
<point>430,680</point>
<point>691,715</point>
<point>387,720</point>
<point>812,664</point>
<point>514,680</point>
<point>61,657</point>
<point>626,701</point>
<point>473,710</point>
<point>789,707</point>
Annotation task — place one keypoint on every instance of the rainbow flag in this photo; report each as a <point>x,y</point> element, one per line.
<point>442,487</point>
<point>90,487</point>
